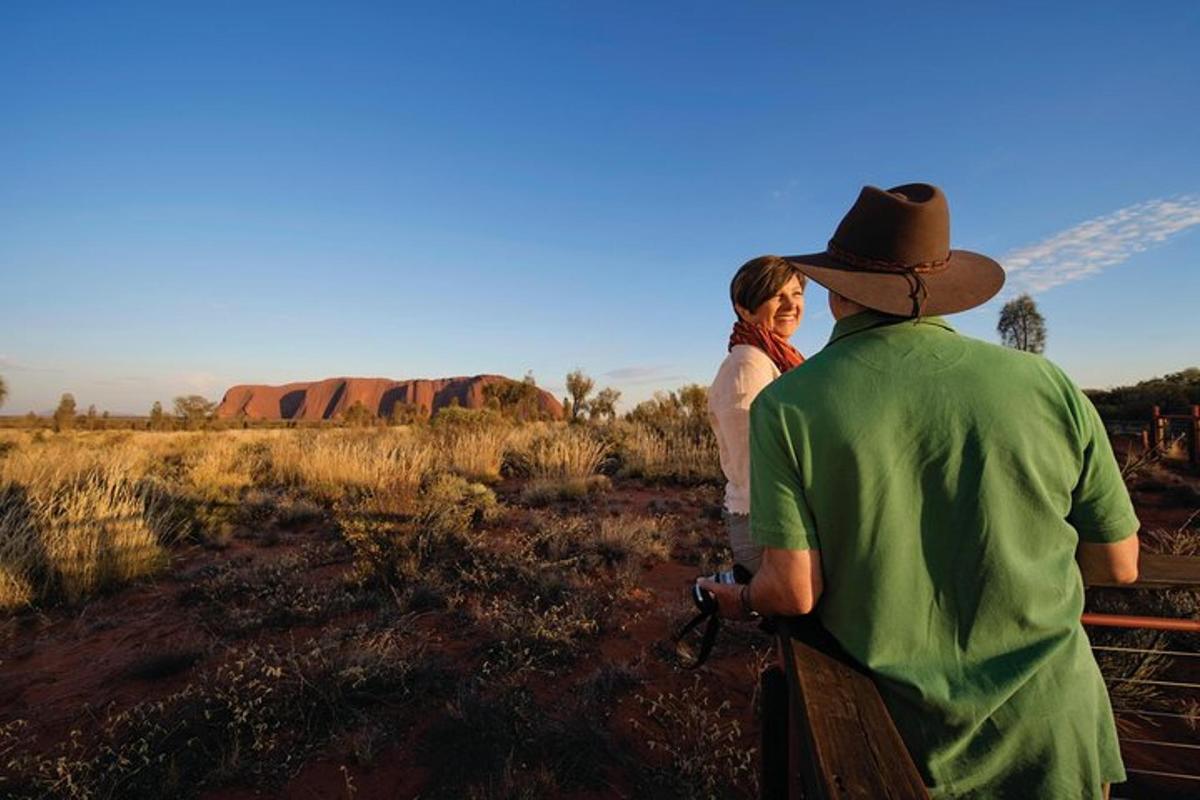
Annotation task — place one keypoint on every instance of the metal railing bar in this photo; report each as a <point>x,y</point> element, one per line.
<point>1176,684</point>
<point>1162,744</point>
<point>1188,717</point>
<point>1148,623</point>
<point>1111,649</point>
<point>1159,774</point>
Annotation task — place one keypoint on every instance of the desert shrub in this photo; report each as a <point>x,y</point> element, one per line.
<point>398,543</point>
<point>331,466</point>
<point>219,468</point>
<point>701,744</point>
<point>561,462</point>
<point>588,544</point>
<point>475,453</point>
<point>297,511</point>
<point>452,503</point>
<point>536,635</point>
<point>683,454</point>
<point>1175,392</point>
<point>543,491</point>
<point>563,452</point>
<point>1181,541</point>
<point>255,718</point>
<point>274,595</point>
<point>75,520</point>
<point>503,745</point>
<point>628,541</point>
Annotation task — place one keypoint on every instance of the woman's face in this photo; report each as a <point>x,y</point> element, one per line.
<point>782,312</point>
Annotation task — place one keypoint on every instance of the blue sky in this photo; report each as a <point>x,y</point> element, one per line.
<point>198,195</point>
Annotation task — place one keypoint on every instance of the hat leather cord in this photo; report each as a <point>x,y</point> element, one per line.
<point>918,292</point>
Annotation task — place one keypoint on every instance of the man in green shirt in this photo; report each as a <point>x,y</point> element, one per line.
<point>938,502</point>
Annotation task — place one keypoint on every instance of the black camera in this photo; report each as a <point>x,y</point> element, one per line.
<point>705,601</point>
<point>691,654</point>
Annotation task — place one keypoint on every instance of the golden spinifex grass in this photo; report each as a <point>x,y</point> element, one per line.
<point>673,454</point>
<point>75,519</point>
<point>330,464</point>
<point>83,511</point>
<point>566,453</point>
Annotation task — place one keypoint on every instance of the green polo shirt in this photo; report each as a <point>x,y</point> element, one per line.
<point>947,482</point>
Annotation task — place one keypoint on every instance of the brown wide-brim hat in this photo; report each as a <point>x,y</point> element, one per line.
<point>892,253</point>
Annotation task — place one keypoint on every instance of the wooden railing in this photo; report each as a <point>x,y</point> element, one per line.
<point>826,732</point>
<point>836,739</point>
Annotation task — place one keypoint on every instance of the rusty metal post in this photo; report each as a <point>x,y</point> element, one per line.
<point>1156,432</point>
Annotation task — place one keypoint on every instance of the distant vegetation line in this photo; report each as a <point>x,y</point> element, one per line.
<point>1174,392</point>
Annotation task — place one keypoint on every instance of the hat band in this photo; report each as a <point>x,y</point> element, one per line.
<point>918,292</point>
<point>881,265</point>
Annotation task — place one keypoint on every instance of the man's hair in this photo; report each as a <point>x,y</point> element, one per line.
<point>759,279</point>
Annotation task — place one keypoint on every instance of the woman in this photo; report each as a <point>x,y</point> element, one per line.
<point>768,298</point>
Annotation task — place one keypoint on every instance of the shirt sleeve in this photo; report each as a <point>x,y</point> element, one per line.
<point>779,513</point>
<point>733,417</point>
<point>1101,511</point>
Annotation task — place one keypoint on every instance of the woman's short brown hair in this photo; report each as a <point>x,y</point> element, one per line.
<point>759,279</point>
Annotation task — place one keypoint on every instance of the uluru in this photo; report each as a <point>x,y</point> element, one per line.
<point>332,397</point>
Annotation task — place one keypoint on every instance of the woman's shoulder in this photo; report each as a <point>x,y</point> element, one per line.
<point>746,369</point>
<point>751,356</point>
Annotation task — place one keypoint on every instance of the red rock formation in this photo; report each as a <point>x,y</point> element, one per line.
<point>317,400</point>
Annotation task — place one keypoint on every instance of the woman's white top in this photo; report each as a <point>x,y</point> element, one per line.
<point>743,374</point>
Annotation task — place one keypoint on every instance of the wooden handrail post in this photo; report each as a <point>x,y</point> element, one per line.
<point>1156,437</point>
<point>1194,450</point>
<point>842,741</point>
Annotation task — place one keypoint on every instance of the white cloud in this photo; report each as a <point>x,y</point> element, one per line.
<point>1098,243</point>
<point>19,366</point>
<point>643,374</point>
<point>200,382</point>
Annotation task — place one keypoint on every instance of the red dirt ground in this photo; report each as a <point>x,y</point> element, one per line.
<point>64,666</point>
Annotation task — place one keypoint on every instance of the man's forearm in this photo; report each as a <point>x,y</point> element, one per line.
<point>1116,562</point>
<point>785,584</point>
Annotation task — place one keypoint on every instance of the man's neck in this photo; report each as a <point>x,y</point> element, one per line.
<point>842,307</point>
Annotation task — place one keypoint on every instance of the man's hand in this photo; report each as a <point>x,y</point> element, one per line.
<point>729,598</point>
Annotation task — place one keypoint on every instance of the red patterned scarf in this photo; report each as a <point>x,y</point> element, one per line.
<point>776,347</point>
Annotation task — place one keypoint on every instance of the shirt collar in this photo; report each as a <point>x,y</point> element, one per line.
<point>866,320</point>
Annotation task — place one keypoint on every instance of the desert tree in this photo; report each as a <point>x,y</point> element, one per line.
<point>406,414</point>
<point>516,399</point>
<point>684,411</point>
<point>579,386</point>
<point>358,415</point>
<point>64,415</point>
<point>604,404</point>
<point>193,410</point>
<point>158,420</point>
<point>3,390</point>
<point>1022,326</point>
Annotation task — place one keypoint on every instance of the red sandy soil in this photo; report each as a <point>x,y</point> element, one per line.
<point>63,667</point>
<point>327,399</point>
<point>66,665</point>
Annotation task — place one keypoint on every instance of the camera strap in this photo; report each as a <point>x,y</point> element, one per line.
<point>707,603</point>
<point>691,658</point>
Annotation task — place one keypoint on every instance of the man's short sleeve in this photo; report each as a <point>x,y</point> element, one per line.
<point>779,514</point>
<point>1101,511</point>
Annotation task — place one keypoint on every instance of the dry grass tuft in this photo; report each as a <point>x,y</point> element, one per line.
<point>334,465</point>
<point>676,455</point>
<point>700,744</point>
<point>75,521</point>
